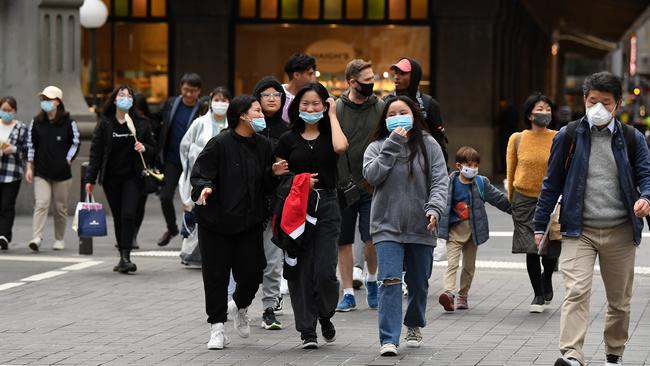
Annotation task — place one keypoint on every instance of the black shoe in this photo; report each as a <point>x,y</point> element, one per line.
<point>135,245</point>
<point>537,305</point>
<point>567,361</point>
<point>269,322</point>
<point>614,359</point>
<point>309,343</point>
<point>4,243</point>
<point>328,330</point>
<point>125,266</point>
<point>167,237</point>
<point>548,296</point>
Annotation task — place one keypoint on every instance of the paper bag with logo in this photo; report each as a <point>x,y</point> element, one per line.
<point>554,232</point>
<point>92,220</point>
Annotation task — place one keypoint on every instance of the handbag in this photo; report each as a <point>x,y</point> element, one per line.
<point>91,218</point>
<point>347,192</point>
<point>554,232</point>
<point>152,177</point>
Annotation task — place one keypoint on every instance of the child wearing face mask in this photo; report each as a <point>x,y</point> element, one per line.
<point>464,224</point>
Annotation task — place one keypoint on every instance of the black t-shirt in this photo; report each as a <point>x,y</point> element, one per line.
<point>121,159</point>
<point>315,156</point>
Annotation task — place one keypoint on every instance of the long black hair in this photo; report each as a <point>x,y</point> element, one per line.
<point>297,124</point>
<point>238,106</point>
<point>109,107</point>
<point>415,138</point>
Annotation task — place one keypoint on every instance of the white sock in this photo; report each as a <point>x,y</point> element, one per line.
<point>348,291</point>
<point>371,277</point>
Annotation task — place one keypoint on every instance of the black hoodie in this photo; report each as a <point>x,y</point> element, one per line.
<point>429,106</point>
<point>275,125</point>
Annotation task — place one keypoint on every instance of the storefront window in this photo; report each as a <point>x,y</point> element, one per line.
<point>263,50</point>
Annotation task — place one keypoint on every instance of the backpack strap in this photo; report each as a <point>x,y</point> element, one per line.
<point>630,141</point>
<point>569,144</point>
<point>480,184</point>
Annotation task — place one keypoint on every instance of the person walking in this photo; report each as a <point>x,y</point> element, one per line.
<point>402,157</point>
<point>301,70</point>
<point>313,146</point>
<point>270,94</point>
<point>358,110</point>
<point>120,137</point>
<point>527,156</point>
<point>601,168</point>
<point>13,153</point>
<point>52,143</point>
<point>175,118</point>
<point>230,179</point>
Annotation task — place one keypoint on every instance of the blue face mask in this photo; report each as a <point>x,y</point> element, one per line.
<point>124,104</point>
<point>7,116</point>
<point>47,106</point>
<point>311,118</point>
<point>258,124</point>
<point>405,121</point>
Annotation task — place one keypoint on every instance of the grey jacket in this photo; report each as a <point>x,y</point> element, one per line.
<point>401,204</point>
<point>478,217</point>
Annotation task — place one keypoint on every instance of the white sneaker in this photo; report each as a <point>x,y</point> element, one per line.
<point>35,244</point>
<point>58,245</point>
<point>218,338</point>
<point>388,349</point>
<point>240,318</point>
<point>284,286</point>
<point>357,277</point>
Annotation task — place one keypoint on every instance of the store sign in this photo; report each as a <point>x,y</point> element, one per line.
<point>331,55</point>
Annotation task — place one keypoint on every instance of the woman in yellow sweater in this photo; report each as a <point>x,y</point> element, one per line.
<point>527,159</point>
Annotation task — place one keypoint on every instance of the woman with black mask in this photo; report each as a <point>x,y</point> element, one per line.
<point>116,164</point>
<point>230,180</point>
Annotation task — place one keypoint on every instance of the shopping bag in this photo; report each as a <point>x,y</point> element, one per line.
<point>440,251</point>
<point>91,219</point>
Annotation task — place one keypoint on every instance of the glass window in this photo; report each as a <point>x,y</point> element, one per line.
<point>269,9</point>
<point>263,50</point>
<point>290,9</point>
<point>247,8</point>
<point>354,9</point>
<point>311,9</point>
<point>108,6</point>
<point>419,9</point>
<point>139,8</point>
<point>397,9</point>
<point>121,8</point>
<point>332,9</point>
<point>376,9</point>
<point>158,8</point>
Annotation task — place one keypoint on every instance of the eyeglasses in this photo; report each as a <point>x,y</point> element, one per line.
<point>271,95</point>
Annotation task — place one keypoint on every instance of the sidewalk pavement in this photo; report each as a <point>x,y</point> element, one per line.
<point>85,314</point>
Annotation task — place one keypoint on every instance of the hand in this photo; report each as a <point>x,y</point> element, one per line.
<point>538,240</point>
<point>433,223</point>
<point>139,147</point>
<point>9,149</point>
<point>29,174</point>
<point>204,195</point>
<point>89,188</point>
<point>641,208</point>
<point>69,162</point>
<point>281,167</point>
<point>332,104</point>
<point>313,180</point>
<point>401,131</point>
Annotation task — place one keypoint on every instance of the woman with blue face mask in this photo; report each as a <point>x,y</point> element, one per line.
<point>407,169</point>
<point>13,153</point>
<point>52,144</point>
<point>115,163</point>
<point>313,146</point>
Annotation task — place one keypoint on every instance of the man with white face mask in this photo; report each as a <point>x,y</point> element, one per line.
<point>602,170</point>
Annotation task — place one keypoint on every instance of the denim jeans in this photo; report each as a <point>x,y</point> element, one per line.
<point>392,257</point>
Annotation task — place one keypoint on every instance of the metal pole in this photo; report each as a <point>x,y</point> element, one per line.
<point>85,243</point>
<point>93,67</point>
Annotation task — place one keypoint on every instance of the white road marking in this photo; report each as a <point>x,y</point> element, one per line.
<point>156,253</point>
<point>522,266</point>
<point>8,285</point>
<point>43,276</point>
<point>508,234</point>
<point>80,266</point>
<point>37,258</point>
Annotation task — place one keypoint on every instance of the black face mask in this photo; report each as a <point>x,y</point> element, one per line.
<point>365,90</point>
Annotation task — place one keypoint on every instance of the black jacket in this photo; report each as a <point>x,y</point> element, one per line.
<point>238,169</point>
<point>51,145</point>
<point>275,125</point>
<point>100,147</point>
<point>164,119</point>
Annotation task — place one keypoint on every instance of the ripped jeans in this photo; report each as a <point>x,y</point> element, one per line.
<point>392,257</point>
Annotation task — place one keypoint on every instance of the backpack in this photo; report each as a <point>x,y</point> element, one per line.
<point>480,184</point>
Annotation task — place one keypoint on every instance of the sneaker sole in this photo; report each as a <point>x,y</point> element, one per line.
<point>310,345</point>
<point>446,302</point>
<point>462,307</point>
<point>536,309</point>
<point>274,326</point>
<point>413,344</point>
<point>33,247</point>
<point>388,353</point>
<point>232,314</point>
<point>227,342</point>
<point>330,340</point>
<point>57,249</point>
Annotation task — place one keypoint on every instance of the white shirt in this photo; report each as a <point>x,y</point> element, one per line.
<point>5,131</point>
<point>287,103</point>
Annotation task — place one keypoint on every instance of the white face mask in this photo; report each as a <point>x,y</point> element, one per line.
<point>219,108</point>
<point>598,115</point>
<point>468,172</point>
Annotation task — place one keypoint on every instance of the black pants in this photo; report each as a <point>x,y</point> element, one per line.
<point>8,194</point>
<point>243,254</point>
<point>539,281</point>
<point>172,174</point>
<point>123,194</point>
<point>315,292</point>
<point>139,214</point>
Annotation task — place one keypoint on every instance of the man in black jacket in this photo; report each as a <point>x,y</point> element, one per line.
<point>175,118</point>
<point>407,76</point>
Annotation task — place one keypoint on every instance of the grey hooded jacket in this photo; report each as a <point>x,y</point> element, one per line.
<point>478,217</point>
<point>401,203</point>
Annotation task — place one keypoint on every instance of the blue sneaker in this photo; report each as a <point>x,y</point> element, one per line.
<point>347,303</point>
<point>371,294</point>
